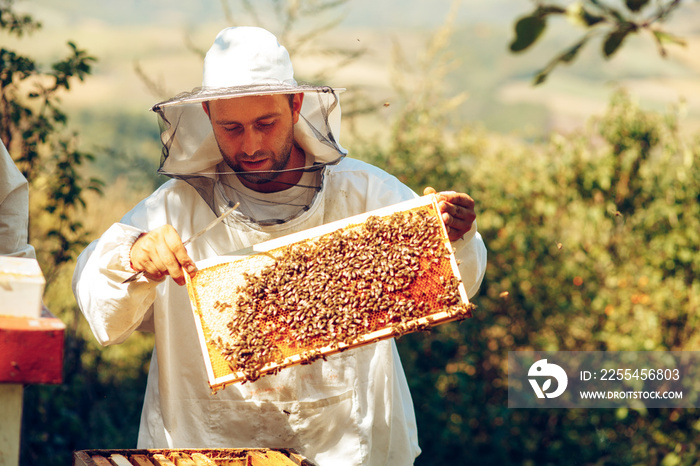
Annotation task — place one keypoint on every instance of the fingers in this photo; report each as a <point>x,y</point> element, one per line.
<point>458,218</point>
<point>160,252</point>
<point>457,211</point>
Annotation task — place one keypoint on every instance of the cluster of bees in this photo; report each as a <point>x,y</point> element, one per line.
<point>328,292</point>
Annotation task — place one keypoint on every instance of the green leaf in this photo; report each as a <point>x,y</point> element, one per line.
<point>569,55</point>
<point>527,31</point>
<point>671,459</point>
<point>541,76</point>
<point>666,38</point>
<point>636,5</point>
<point>589,18</point>
<point>545,10</point>
<point>566,57</point>
<point>614,40</point>
<point>610,11</point>
<point>581,16</point>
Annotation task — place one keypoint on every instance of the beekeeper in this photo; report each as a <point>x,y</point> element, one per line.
<point>14,209</point>
<point>251,134</point>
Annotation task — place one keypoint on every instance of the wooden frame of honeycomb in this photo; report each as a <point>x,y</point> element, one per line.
<point>311,294</point>
<point>191,457</point>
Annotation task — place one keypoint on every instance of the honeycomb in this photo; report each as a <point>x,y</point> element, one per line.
<point>190,457</point>
<point>371,278</point>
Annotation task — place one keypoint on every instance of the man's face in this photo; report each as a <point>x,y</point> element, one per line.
<point>255,135</point>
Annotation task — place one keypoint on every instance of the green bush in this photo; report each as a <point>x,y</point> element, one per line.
<point>592,241</point>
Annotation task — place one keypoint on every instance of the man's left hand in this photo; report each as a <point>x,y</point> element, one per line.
<point>457,210</point>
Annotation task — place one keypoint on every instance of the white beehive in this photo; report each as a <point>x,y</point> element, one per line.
<point>21,287</point>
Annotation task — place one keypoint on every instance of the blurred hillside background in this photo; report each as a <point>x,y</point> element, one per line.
<point>587,188</point>
<point>159,35</point>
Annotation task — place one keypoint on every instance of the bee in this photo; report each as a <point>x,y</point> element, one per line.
<point>327,291</point>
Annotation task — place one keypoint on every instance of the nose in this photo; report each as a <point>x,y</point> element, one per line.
<point>252,142</point>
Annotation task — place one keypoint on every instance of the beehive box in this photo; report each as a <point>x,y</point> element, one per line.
<point>21,287</point>
<point>342,285</point>
<point>191,457</point>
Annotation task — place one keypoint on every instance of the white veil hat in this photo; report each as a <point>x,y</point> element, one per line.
<point>244,61</point>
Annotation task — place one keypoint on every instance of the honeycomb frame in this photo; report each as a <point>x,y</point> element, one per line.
<point>222,304</point>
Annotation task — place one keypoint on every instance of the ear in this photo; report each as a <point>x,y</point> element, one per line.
<point>205,106</point>
<point>296,106</point>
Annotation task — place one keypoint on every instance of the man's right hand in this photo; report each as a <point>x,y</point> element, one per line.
<point>160,252</point>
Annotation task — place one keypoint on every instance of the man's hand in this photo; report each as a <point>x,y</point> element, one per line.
<point>160,252</point>
<point>457,210</point>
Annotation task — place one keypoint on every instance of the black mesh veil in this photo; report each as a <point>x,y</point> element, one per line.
<point>190,152</point>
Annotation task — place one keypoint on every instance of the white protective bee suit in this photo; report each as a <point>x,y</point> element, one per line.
<point>352,409</point>
<point>14,209</point>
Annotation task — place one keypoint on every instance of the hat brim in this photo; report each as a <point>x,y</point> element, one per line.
<point>203,94</point>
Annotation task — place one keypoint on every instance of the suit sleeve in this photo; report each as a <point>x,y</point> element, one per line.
<point>112,308</point>
<point>14,209</point>
<point>470,253</point>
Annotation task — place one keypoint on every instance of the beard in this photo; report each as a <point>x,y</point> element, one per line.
<point>280,161</point>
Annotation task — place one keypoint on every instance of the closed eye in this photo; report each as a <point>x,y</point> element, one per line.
<point>265,124</point>
<point>231,128</point>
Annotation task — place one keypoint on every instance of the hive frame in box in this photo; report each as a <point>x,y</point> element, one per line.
<point>185,456</point>
<point>259,255</point>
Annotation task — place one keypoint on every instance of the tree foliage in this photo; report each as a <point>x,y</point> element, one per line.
<point>82,411</point>
<point>33,128</point>
<point>591,243</point>
<point>613,21</point>
<point>591,239</point>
